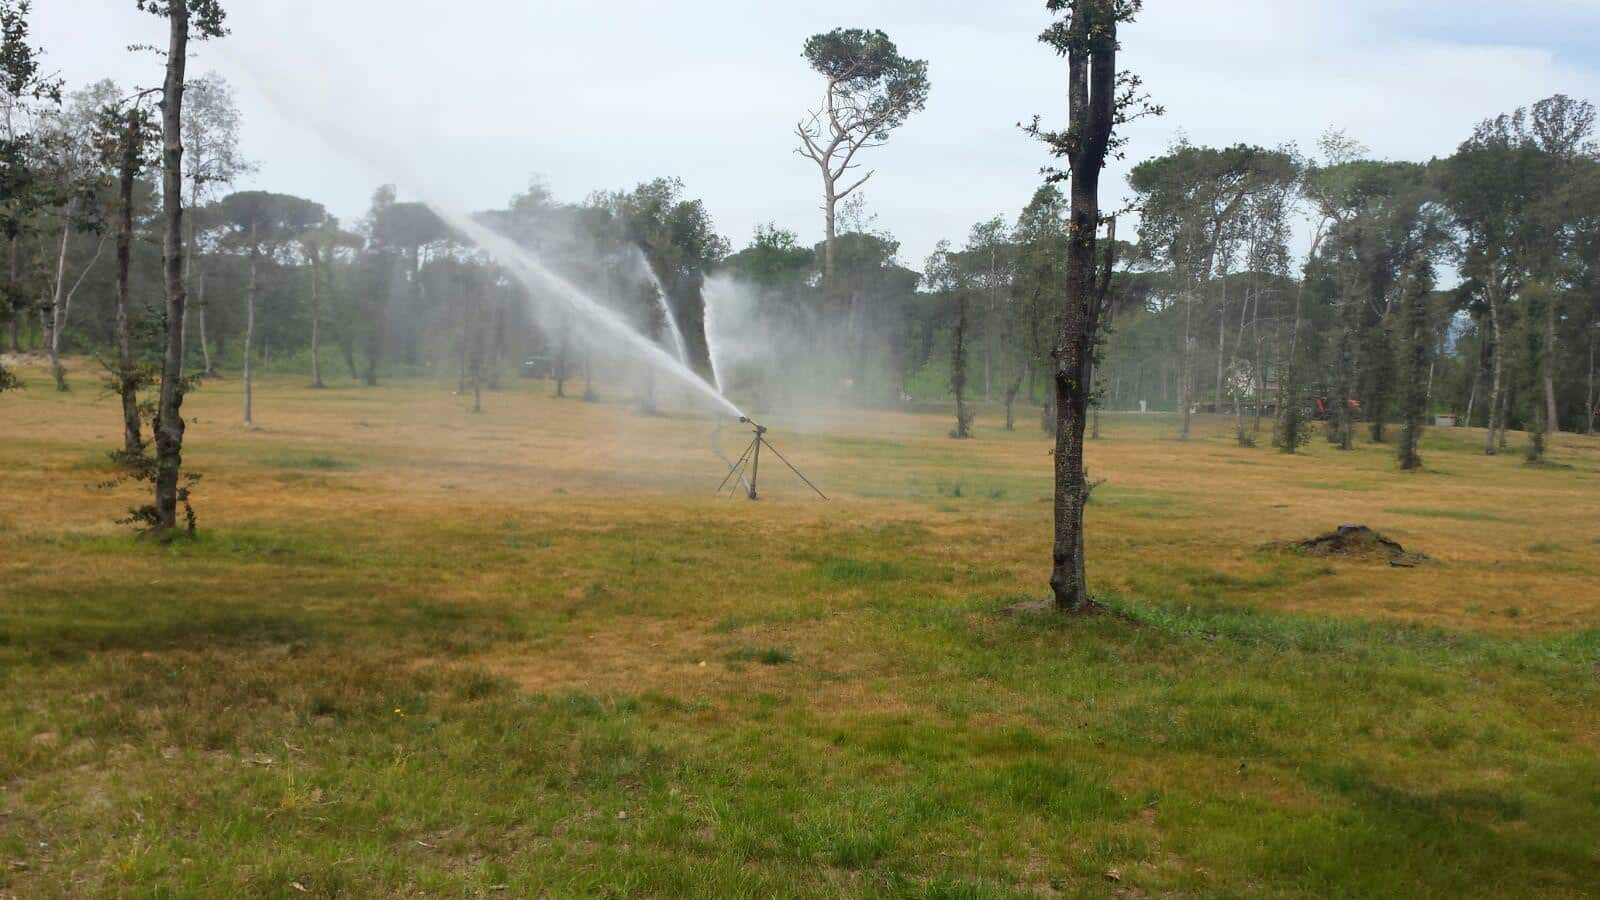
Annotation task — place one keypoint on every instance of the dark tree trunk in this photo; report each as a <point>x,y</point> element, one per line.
<point>1418,336</point>
<point>1589,424</point>
<point>475,327</point>
<point>316,323</point>
<point>1552,411</point>
<point>250,326</point>
<point>1092,80</point>
<point>497,347</point>
<point>461,352</point>
<point>1186,363</point>
<point>14,297</point>
<point>561,362</point>
<point>958,371</point>
<point>1496,415</point>
<point>169,419</point>
<point>1012,390</point>
<point>378,329</point>
<point>127,381</point>
<point>347,348</point>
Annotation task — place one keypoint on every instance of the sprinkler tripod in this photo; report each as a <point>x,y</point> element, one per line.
<point>751,457</point>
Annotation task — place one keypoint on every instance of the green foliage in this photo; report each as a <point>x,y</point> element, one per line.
<point>206,17</point>
<point>869,78</point>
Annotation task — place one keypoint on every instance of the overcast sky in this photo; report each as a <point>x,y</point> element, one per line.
<point>477,97</point>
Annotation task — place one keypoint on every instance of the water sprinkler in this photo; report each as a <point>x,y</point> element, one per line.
<point>750,462</point>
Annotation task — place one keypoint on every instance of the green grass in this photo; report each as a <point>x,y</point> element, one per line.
<point>771,656</point>
<point>286,741</point>
<point>508,691</point>
<point>1460,515</point>
<point>309,462</point>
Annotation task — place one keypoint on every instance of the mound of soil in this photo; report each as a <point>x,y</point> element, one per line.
<point>1355,542</point>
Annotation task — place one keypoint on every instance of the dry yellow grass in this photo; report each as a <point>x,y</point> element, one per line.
<point>418,650</point>
<point>1505,535</point>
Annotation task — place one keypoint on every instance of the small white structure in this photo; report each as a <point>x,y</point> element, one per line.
<point>1445,421</point>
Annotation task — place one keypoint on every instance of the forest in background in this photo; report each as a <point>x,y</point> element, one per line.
<point>1465,285</point>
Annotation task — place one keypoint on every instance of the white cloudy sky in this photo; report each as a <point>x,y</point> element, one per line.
<point>482,95</point>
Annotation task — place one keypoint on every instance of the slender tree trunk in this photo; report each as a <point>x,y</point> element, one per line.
<point>497,348</point>
<point>561,366</point>
<point>1498,356</point>
<point>13,291</point>
<point>169,419</point>
<point>1222,343</point>
<point>200,316</point>
<point>1186,361</point>
<point>475,329</point>
<point>189,277</point>
<point>1011,401</point>
<point>316,324</point>
<point>127,381</point>
<point>1261,360</point>
<point>1477,374</point>
<point>461,353</point>
<point>1552,412</point>
<point>958,370</point>
<point>58,307</point>
<point>249,326</point>
<point>830,222</point>
<point>1589,415</point>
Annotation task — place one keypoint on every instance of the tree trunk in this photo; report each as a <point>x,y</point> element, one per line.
<point>1011,402</point>
<point>958,370</point>
<point>58,307</point>
<point>316,324</point>
<point>13,292</point>
<point>378,327</point>
<point>169,419</point>
<point>200,316</point>
<point>1497,360</point>
<point>561,365</point>
<point>249,325</point>
<point>1477,374</point>
<point>1091,94</point>
<point>1588,427</point>
<point>830,221</point>
<point>1222,343</point>
<point>1186,361</point>
<point>127,381</point>
<point>497,348</point>
<point>461,356</point>
<point>1261,359</point>
<point>1552,414</point>
<point>476,321</point>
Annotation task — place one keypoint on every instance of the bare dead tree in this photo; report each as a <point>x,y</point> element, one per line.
<point>871,90</point>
